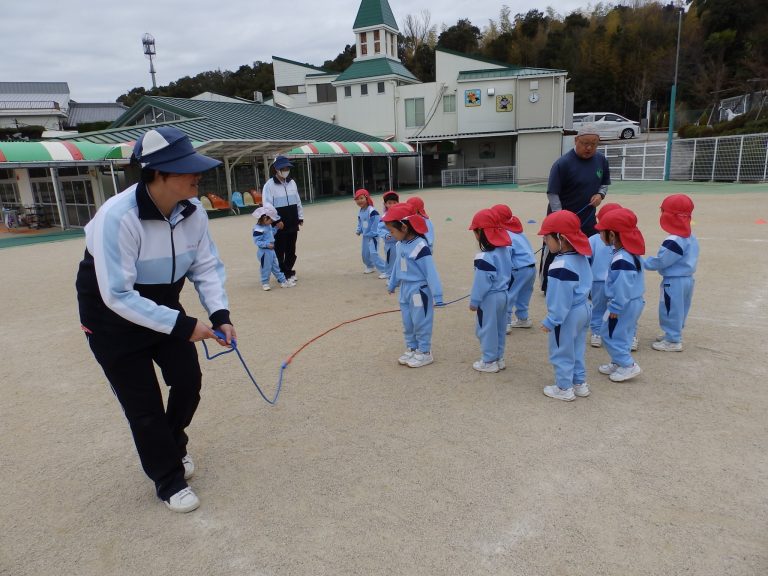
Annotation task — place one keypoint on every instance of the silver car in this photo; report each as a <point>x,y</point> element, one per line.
<point>609,126</point>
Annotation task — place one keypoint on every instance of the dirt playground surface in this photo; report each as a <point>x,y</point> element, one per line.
<point>365,467</point>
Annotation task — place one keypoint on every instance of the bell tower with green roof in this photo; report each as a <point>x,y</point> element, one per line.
<point>375,31</point>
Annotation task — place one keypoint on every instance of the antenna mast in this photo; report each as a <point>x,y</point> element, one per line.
<point>149,51</point>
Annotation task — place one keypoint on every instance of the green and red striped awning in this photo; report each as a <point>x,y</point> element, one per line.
<point>63,151</point>
<point>352,149</point>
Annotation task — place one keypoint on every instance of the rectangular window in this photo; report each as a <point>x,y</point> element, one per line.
<point>363,89</point>
<point>376,42</point>
<point>381,87</point>
<point>449,103</point>
<point>414,112</point>
<point>363,43</point>
<point>326,93</point>
<point>347,91</point>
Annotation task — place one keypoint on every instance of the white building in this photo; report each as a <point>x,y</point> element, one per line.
<point>477,114</point>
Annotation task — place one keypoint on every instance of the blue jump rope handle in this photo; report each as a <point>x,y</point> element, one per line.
<point>222,336</point>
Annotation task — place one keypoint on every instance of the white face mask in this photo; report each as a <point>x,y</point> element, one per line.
<point>284,174</point>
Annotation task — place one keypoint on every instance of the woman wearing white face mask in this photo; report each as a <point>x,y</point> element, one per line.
<point>282,193</point>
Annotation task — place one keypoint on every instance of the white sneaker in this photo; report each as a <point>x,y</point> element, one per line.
<point>368,270</point>
<point>383,276</point>
<point>502,364</point>
<point>621,373</point>
<point>291,281</point>
<point>559,393</point>
<point>266,287</point>
<point>581,390</point>
<point>634,345</point>
<point>287,284</point>
<point>184,500</point>
<point>596,341</point>
<point>407,355</point>
<point>609,368</point>
<point>660,337</point>
<point>420,359</point>
<point>481,366</point>
<point>667,346</point>
<point>189,466</point>
<point>518,323</point>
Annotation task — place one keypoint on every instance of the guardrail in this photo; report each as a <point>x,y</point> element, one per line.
<point>479,176</point>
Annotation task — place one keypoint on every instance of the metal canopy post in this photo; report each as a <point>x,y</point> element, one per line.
<point>310,192</point>
<point>114,178</point>
<point>228,178</point>
<point>389,165</point>
<point>59,200</point>
<point>352,158</point>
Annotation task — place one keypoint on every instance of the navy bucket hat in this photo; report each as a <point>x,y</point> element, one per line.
<point>282,162</point>
<point>168,149</point>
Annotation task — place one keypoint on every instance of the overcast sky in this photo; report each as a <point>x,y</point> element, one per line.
<point>96,46</point>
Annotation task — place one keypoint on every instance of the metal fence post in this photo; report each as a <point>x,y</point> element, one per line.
<point>738,166</point>
<point>714,161</point>
<point>693,162</point>
<point>765,164</point>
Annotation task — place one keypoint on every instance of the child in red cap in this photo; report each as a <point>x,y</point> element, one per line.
<point>493,271</point>
<point>420,289</point>
<point>523,269</point>
<point>676,262</point>
<point>390,199</point>
<point>418,206</point>
<point>569,280</point>
<point>368,226</point>
<point>602,254</point>
<point>624,289</point>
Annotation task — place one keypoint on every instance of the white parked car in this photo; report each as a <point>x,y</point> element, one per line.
<point>609,126</point>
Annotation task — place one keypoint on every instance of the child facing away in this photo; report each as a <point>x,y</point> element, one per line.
<point>264,237</point>
<point>569,280</point>
<point>493,271</point>
<point>676,262</point>
<point>390,199</point>
<point>523,269</point>
<point>624,289</point>
<point>368,226</point>
<point>420,288</point>
<point>602,254</point>
<point>418,206</point>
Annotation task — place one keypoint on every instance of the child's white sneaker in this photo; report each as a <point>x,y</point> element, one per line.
<point>368,270</point>
<point>625,373</point>
<point>520,323</point>
<point>634,345</point>
<point>383,276</point>
<point>407,355</point>
<point>559,394</point>
<point>287,284</point>
<point>420,359</point>
<point>667,346</point>
<point>481,366</point>
<point>185,500</point>
<point>266,287</point>
<point>596,341</point>
<point>581,390</point>
<point>502,364</point>
<point>609,368</point>
<point>291,281</point>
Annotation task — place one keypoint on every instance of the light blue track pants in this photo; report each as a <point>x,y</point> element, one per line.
<point>417,311</point>
<point>269,264</point>
<point>674,303</point>
<point>617,334</point>
<point>370,253</point>
<point>599,305</point>
<point>490,326</point>
<point>567,344</point>
<point>519,294</point>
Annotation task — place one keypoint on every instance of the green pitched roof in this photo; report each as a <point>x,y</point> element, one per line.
<point>374,13</point>
<point>204,120</point>
<point>506,73</point>
<point>375,67</point>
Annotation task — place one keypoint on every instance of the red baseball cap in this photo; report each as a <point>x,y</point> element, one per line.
<point>624,221</point>
<point>405,213</point>
<point>567,224</point>
<point>490,224</point>
<point>364,192</point>
<point>676,213</point>
<point>418,205</point>
<point>605,208</point>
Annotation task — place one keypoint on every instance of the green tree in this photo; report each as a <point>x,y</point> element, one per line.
<point>461,37</point>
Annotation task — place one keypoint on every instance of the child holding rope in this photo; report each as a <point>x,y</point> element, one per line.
<point>420,289</point>
<point>493,270</point>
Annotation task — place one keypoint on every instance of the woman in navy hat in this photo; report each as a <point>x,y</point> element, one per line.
<point>282,193</point>
<point>141,246</point>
